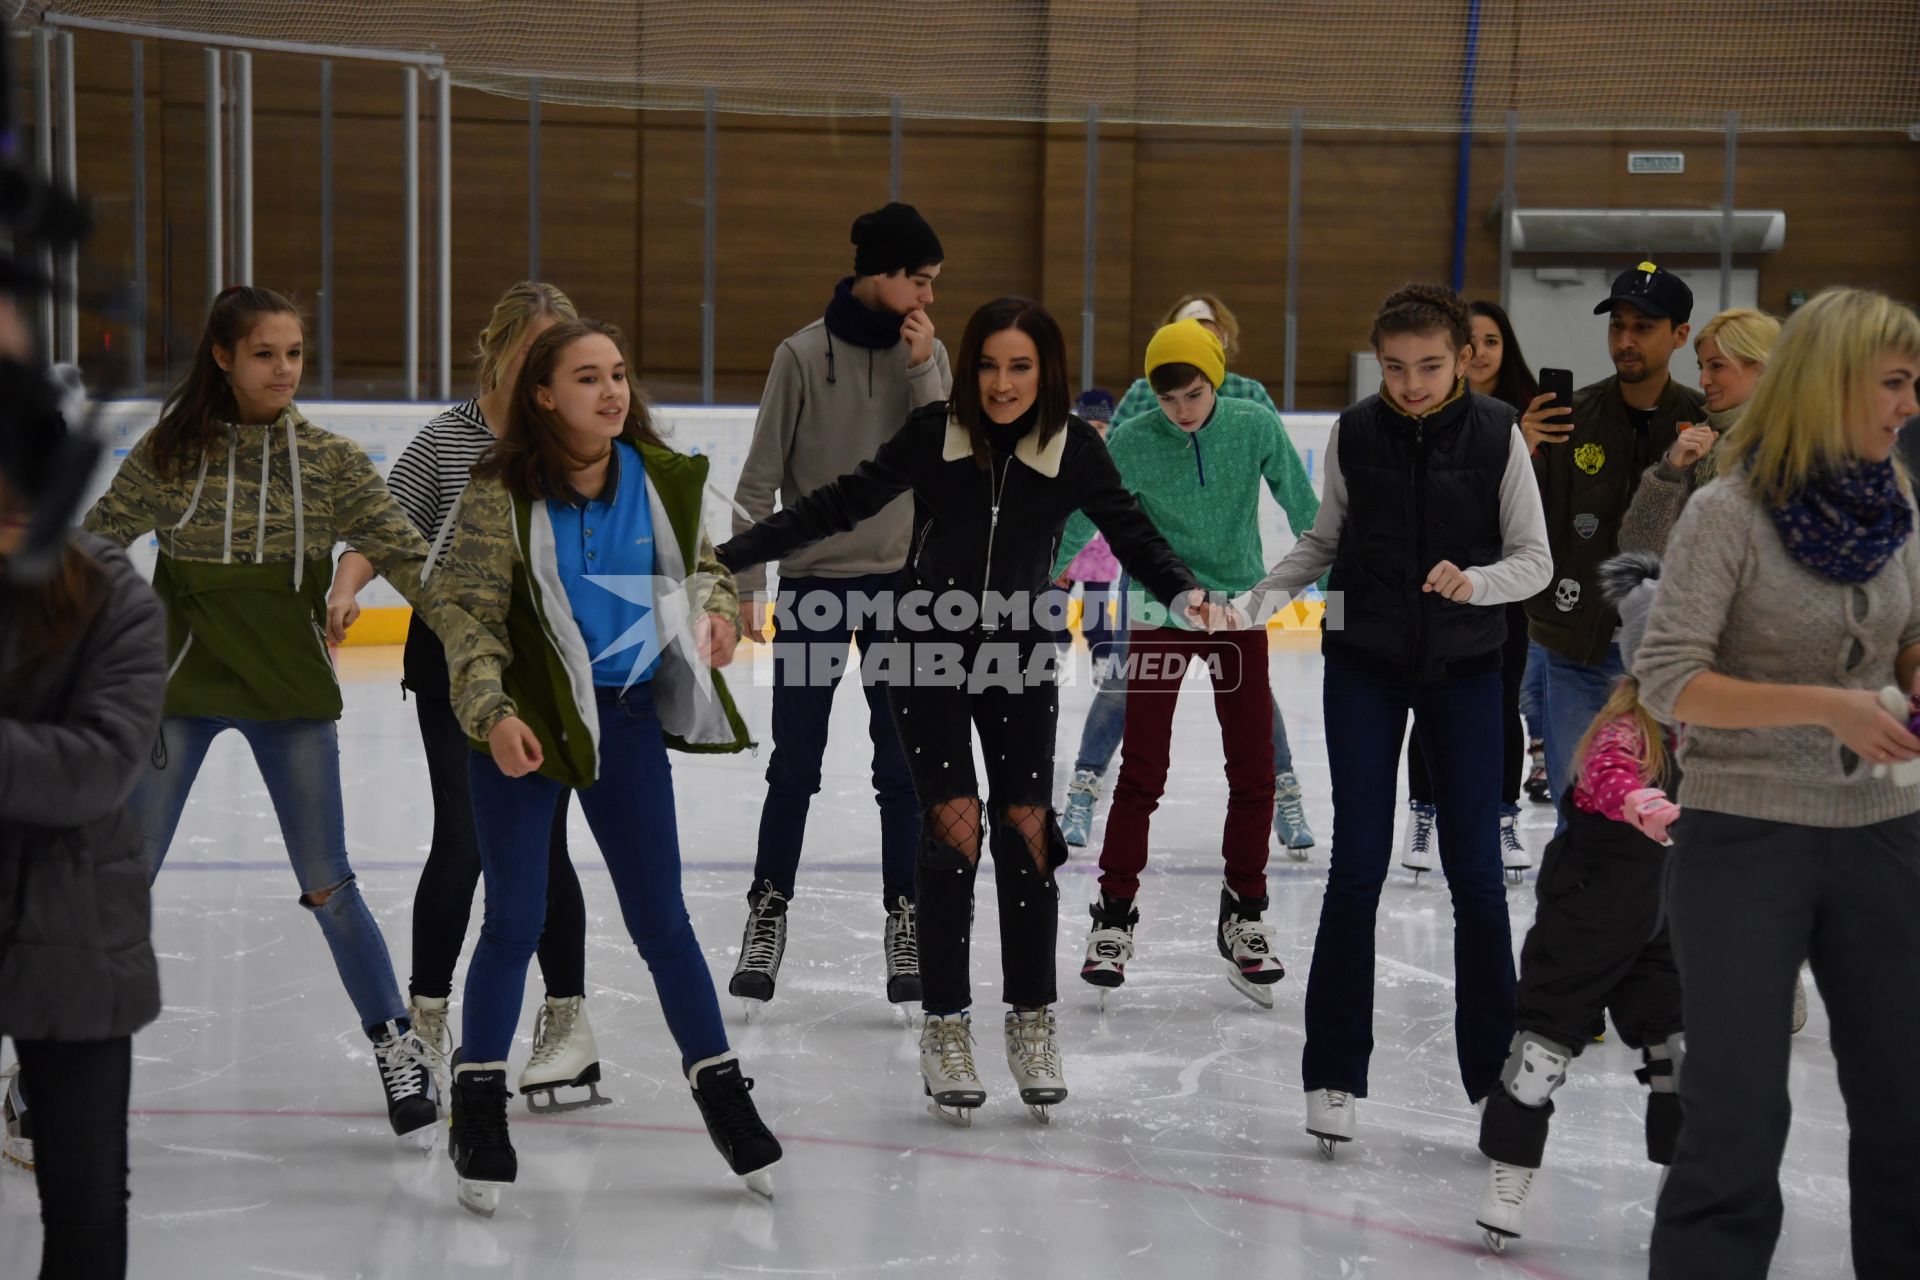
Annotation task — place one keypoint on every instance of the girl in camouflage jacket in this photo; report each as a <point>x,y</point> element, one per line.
<point>580,648</point>
<point>248,499</point>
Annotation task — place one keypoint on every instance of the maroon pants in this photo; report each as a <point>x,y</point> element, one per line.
<point>1157,660</point>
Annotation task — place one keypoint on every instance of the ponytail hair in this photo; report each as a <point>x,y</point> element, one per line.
<point>1625,702</point>
<point>1424,308</point>
<point>191,415</point>
<point>506,329</point>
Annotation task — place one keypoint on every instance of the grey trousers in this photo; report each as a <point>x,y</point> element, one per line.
<point>1748,901</point>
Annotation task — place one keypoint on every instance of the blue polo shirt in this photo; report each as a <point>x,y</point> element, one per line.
<point>604,550</point>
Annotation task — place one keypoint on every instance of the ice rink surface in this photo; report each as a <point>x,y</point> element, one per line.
<point>260,1148</point>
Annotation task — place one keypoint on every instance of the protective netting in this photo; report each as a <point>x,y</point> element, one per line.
<point>1393,64</point>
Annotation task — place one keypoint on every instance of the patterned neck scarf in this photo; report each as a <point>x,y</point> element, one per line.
<point>1845,524</point>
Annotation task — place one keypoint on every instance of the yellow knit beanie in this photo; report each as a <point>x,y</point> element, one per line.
<point>1188,342</point>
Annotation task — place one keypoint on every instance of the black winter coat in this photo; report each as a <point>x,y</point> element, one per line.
<point>76,962</point>
<point>958,544</point>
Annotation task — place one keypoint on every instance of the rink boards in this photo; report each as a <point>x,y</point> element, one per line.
<point>719,432</point>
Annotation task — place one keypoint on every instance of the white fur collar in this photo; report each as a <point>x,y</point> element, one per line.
<point>1046,460</point>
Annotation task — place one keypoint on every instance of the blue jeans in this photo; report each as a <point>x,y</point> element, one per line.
<point>1458,722</point>
<point>300,763</point>
<point>1533,693</point>
<point>1575,693</point>
<point>809,660</point>
<point>631,812</point>
<point>1107,717</point>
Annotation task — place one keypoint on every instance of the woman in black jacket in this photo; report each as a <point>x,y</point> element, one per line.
<point>82,674</point>
<point>994,476</point>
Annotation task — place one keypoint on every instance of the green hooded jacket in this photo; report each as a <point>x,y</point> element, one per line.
<point>496,600</point>
<point>246,558</point>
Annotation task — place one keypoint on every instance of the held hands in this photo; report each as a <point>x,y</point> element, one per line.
<point>917,332</point>
<point>714,638</point>
<point>1649,812</point>
<point>342,612</point>
<point>1691,445</point>
<point>756,620</point>
<point>515,750</point>
<point>1450,581</point>
<point>1541,425</point>
<point>1204,615</point>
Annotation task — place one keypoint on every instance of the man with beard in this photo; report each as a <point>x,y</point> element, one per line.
<point>1588,469</point>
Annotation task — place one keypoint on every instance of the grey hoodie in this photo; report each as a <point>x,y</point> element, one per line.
<point>812,430</point>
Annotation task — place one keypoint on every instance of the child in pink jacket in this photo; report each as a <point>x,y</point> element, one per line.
<point>1599,938</point>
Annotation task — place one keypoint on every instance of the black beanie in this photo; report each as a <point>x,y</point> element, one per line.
<point>893,238</point>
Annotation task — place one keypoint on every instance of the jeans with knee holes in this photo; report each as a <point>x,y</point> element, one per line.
<point>299,761</point>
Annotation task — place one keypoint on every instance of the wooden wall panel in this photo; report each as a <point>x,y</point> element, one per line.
<point>1179,209</point>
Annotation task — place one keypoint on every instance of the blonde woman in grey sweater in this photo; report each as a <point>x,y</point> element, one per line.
<point>1790,597</point>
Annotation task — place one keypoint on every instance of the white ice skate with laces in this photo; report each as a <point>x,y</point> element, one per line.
<point>947,1072</point>
<point>1034,1059</point>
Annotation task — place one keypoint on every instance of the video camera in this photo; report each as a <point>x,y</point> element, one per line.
<point>43,459</point>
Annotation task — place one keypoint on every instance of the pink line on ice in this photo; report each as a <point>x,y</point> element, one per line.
<point>1450,1245</point>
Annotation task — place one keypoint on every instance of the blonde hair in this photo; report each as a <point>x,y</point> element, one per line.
<point>1743,333</point>
<point>1229,324</point>
<point>1625,702</point>
<point>1819,378</point>
<point>506,328</point>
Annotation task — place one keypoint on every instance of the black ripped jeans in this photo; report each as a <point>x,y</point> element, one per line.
<point>944,687</point>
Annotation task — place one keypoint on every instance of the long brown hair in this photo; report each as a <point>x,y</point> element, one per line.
<point>191,415</point>
<point>532,457</point>
<point>57,610</point>
<point>1054,399</point>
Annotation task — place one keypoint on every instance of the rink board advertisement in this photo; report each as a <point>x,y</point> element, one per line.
<point>721,432</point>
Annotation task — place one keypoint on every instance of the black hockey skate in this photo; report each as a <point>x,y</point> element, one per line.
<point>724,1096</point>
<point>406,1076</point>
<point>482,1153</point>
<point>763,945</point>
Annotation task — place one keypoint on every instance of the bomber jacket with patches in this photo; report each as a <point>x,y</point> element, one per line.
<point>495,597</point>
<point>1587,482</point>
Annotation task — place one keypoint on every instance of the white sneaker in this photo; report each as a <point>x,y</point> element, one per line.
<point>564,1057</point>
<point>1034,1059</point>
<point>1503,1204</point>
<point>947,1072</point>
<point>429,1017</point>
<point>1513,853</point>
<point>1419,853</point>
<point>1330,1118</point>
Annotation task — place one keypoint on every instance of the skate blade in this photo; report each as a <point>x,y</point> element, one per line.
<point>482,1198</point>
<point>1328,1145</point>
<point>543,1100</point>
<point>424,1139</point>
<point>1417,872</point>
<point>760,1182</point>
<point>1104,993</point>
<point>1496,1239</point>
<point>18,1154</point>
<point>958,1117</point>
<point>1516,875</point>
<point>1260,995</point>
<point>1038,1110</point>
<point>1299,854</point>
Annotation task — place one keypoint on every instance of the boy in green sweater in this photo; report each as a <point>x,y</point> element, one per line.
<point>1195,464</point>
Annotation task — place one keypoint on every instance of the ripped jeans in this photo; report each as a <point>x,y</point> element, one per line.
<point>300,763</point>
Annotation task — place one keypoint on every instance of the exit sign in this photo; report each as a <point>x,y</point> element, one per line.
<point>1656,162</point>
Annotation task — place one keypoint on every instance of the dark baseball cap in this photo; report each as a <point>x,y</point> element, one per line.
<point>1651,289</point>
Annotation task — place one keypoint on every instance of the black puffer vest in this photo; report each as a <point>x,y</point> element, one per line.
<point>1419,491</point>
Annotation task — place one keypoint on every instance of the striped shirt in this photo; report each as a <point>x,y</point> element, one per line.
<point>433,469</point>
